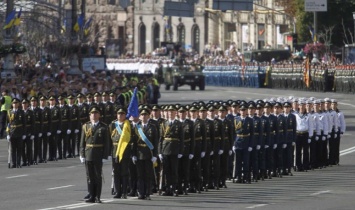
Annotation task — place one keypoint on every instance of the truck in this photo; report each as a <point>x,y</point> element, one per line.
<point>187,74</point>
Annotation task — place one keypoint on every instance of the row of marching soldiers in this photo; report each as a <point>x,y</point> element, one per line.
<point>45,129</point>
<point>179,149</point>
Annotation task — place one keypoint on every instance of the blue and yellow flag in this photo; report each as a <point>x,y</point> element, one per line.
<point>311,31</point>
<point>87,26</point>
<point>18,18</point>
<point>124,140</point>
<point>10,20</point>
<point>63,28</point>
<point>79,24</point>
<point>133,105</point>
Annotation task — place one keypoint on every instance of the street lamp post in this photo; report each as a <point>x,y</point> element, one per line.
<point>354,28</point>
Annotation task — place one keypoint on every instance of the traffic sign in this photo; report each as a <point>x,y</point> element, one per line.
<point>315,5</point>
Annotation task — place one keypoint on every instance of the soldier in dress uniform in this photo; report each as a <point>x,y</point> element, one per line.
<point>314,117</point>
<point>89,100</point>
<point>170,149</point>
<point>121,165</point>
<point>37,112</point>
<point>68,150</point>
<point>243,144</point>
<point>108,106</point>
<point>206,158</point>
<point>54,141</point>
<point>16,132</point>
<point>280,137</point>
<point>98,102</point>
<point>74,124</point>
<point>45,129</point>
<point>265,139</point>
<point>227,144</point>
<point>27,152</point>
<point>94,148</point>
<point>333,129</point>
<point>340,130</point>
<point>321,142</point>
<point>303,139</point>
<point>291,127</point>
<point>115,104</point>
<point>199,129</point>
<point>271,162</point>
<point>146,153</point>
<point>188,155</point>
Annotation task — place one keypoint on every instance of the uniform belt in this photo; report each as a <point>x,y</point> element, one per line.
<point>16,126</point>
<point>115,144</point>
<point>55,120</point>
<point>217,138</point>
<point>243,135</point>
<point>256,134</point>
<point>45,121</point>
<point>207,139</point>
<point>302,132</point>
<point>281,130</point>
<point>64,120</point>
<point>289,129</point>
<point>171,139</point>
<point>28,125</point>
<point>198,139</point>
<point>37,122</point>
<point>94,145</point>
<point>142,145</point>
<point>187,140</point>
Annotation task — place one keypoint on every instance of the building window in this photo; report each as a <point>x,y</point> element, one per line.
<point>142,38</point>
<point>195,38</point>
<point>156,35</point>
<point>181,34</point>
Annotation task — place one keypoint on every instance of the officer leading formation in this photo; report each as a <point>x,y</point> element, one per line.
<point>175,149</point>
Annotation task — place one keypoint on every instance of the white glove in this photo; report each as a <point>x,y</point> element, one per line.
<point>317,138</point>
<point>109,158</point>
<point>335,135</point>
<point>23,137</point>
<point>211,153</point>
<point>309,141</point>
<point>68,131</point>
<point>191,156</point>
<point>328,136</point>
<point>59,131</point>
<point>250,149</point>
<point>40,135</point>
<point>161,157</point>
<point>154,159</point>
<point>230,152</point>
<point>82,159</point>
<point>293,143</point>
<point>49,133</point>
<point>134,159</point>
<point>76,131</point>
<point>266,146</point>
<point>203,154</point>
<point>8,138</point>
<point>258,147</point>
<point>323,138</point>
<point>275,146</point>
<point>234,148</point>
<point>284,146</point>
<point>32,137</point>
<point>220,152</point>
<point>179,156</point>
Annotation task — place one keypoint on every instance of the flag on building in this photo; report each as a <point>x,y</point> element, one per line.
<point>87,26</point>
<point>79,24</point>
<point>18,18</point>
<point>10,20</point>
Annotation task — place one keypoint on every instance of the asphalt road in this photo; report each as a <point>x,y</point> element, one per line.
<point>62,185</point>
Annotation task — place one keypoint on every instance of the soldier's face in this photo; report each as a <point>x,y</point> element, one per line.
<point>203,114</point>
<point>71,100</point>
<point>235,109</point>
<point>327,105</point>
<point>308,107</point>
<point>24,106</point>
<point>277,110</point>
<point>334,106</point>
<point>316,107</point>
<point>193,114</point>
<point>222,114</point>
<point>121,117</point>
<point>42,102</point>
<point>182,115</point>
<point>251,112</point>
<point>156,113</point>
<point>144,117</point>
<point>259,111</point>
<point>34,103</point>
<point>15,105</point>
<point>52,102</point>
<point>287,109</point>
<point>81,100</point>
<point>295,106</point>
<point>243,112</point>
<point>94,116</point>
<point>171,114</point>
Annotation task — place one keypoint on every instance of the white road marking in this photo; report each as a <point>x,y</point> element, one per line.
<point>11,177</point>
<point>71,166</point>
<point>54,188</point>
<point>76,205</point>
<point>346,150</point>
<point>346,104</point>
<point>320,192</point>
<point>256,206</point>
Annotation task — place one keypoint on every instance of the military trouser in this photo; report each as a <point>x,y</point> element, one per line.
<point>288,157</point>
<point>52,146</point>
<point>324,152</point>
<point>261,160</point>
<point>319,152</point>
<point>224,167</point>
<point>206,170</point>
<point>184,172</point>
<point>71,139</point>
<point>334,148</point>
<point>254,163</point>
<point>43,147</point>
<point>216,166</point>
<point>302,161</point>
<point>120,175</point>
<point>269,158</point>
<point>27,151</point>
<point>195,175</point>
<point>170,167</point>
<point>132,179</point>
<point>35,148</point>
<point>313,152</point>
<point>62,146</point>
<point>94,171</point>
<point>16,150</point>
<point>278,156</point>
<point>144,176</point>
<point>242,157</point>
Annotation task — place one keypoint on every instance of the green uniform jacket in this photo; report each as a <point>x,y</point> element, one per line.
<point>115,137</point>
<point>171,138</point>
<point>143,152</point>
<point>16,123</point>
<point>94,142</point>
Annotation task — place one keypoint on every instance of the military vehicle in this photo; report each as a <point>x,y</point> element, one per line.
<point>179,75</point>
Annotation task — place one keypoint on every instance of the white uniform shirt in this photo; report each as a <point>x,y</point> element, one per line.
<point>304,123</point>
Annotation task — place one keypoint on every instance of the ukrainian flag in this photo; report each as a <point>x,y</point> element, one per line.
<point>79,24</point>
<point>87,26</point>
<point>10,20</point>
<point>18,18</point>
